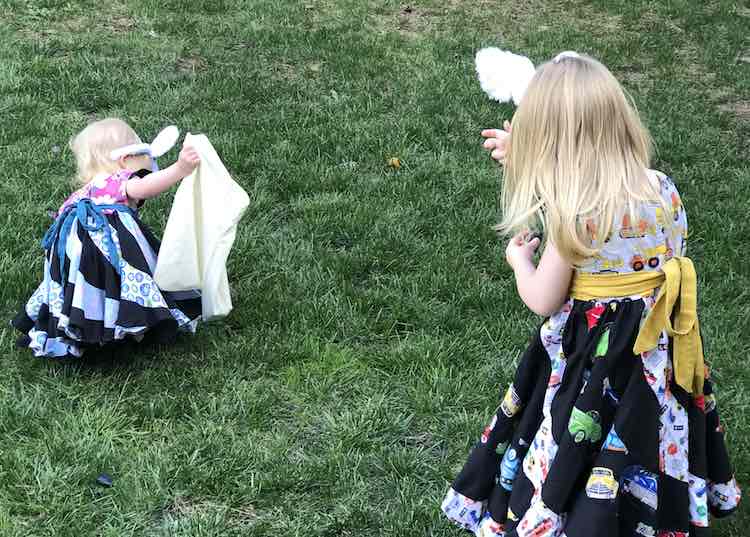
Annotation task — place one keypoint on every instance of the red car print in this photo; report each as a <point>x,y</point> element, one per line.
<point>676,206</point>
<point>541,529</point>
<point>487,430</point>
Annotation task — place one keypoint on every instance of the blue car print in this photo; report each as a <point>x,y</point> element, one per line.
<point>509,469</point>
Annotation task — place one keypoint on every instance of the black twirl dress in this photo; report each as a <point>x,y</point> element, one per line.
<point>592,440</point>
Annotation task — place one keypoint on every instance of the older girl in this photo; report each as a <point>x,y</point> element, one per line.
<point>610,425</point>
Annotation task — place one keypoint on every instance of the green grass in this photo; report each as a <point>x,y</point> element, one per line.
<point>374,320</point>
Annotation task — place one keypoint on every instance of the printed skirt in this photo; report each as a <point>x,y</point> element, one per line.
<point>98,289</point>
<point>590,439</point>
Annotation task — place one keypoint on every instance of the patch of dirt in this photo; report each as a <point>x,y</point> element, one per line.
<point>413,21</point>
<point>242,45</point>
<point>514,11</point>
<point>243,517</point>
<point>544,15</point>
<point>191,63</point>
<point>720,94</point>
<point>419,440</point>
<point>409,21</point>
<point>425,441</point>
<point>689,63</point>
<point>56,29</point>
<point>512,17</point>
<point>69,25</point>
<point>741,109</point>
<point>180,507</point>
<point>649,19</point>
<point>184,507</point>
<point>602,23</point>
<point>710,8</point>
<point>284,71</point>
<point>120,24</point>
<point>633,77</point>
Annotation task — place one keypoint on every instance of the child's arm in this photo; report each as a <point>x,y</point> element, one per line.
<point>156,183</point>
<point>544,288</point>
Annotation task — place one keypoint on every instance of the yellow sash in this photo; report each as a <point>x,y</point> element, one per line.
<point>676,301</point>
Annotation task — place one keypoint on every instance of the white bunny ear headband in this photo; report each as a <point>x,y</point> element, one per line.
<point>163,142</point>
<point>504,76</point>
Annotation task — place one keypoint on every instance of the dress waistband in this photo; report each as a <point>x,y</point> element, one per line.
<point>82,211</point>
<point>675,311</point>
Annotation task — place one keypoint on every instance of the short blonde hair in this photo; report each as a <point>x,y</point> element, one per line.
<point>577,157</point>
<point>93,145</point>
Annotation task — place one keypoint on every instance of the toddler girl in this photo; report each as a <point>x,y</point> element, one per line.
<point>99,257</point>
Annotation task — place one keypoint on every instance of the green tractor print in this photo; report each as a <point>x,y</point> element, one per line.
<point>585,426</point>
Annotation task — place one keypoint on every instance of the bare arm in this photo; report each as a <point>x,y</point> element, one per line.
<point>543,288</point>
<point>156,183</point>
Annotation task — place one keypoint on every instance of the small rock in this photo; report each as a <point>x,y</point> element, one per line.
<point>348,165</point>
<point>104,480</point>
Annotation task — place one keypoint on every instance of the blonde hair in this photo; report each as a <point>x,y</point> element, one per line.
<point>93,145</point>
<point>577,158</point>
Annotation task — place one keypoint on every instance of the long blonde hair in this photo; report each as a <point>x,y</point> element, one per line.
<point>93,145</point>
<point>576,159</point>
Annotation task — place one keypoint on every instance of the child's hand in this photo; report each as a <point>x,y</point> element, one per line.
<point>188,159</point>
<point>521,249</point>
<point>497,141</point>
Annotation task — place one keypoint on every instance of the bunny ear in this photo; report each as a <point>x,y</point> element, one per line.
<point>164,141</point>
<point>565,54</point>
<point>504,76</point>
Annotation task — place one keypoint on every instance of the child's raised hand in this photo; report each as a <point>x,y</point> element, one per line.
<point>497,141</point>
<point>521,249</point>
<point>162,180</point>
<point>188,159</point>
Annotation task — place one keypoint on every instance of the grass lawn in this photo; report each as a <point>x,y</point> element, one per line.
<point>375,323</point>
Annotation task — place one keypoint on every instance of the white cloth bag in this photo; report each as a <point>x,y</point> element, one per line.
<point>200,232</point>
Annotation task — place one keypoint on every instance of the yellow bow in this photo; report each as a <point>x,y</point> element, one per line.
<point>675,312</point>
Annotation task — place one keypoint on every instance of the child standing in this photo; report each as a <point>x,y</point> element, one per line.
<point>99,257</point>
<point>610,425</point>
